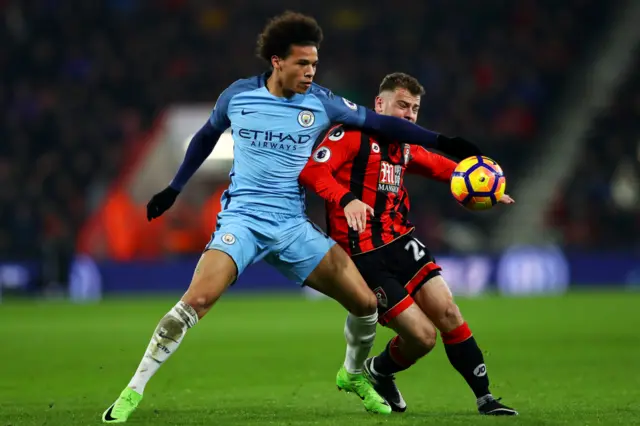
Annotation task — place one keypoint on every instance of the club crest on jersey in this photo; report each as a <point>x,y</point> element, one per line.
<point>322,155</point>
<point>406,151</point>
<point>350,104</point>
<point>390,177</point>
<point>228,239</point>
<point>336,134</point>
<point>306,118</point>
<point>382,297</point>
<point>375,147</point>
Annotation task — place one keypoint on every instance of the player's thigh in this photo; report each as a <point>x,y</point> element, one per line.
<point>231,249</point>
<point>337,277</point>
<point>391,296</point>
<point>313,259</point>
<point>437,302</point>
<point>417,331</point>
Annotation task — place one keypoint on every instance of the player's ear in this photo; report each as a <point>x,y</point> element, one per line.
<point>276,62</point>
<point>378,105</point>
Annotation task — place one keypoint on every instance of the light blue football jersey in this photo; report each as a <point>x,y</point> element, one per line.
<point>273,139</point>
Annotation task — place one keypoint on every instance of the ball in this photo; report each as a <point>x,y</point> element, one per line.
<point>478,183</point>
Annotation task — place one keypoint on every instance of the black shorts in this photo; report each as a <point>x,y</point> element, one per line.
<point>395,273</point>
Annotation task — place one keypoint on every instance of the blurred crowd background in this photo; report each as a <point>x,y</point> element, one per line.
<point>82,82</point>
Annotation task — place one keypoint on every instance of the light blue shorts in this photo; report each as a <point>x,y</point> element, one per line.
<point>293,245</point>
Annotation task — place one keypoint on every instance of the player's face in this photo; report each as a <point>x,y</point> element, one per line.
<point>297,70</point>
<point>399,103</point>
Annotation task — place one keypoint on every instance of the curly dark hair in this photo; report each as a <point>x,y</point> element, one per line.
<point>283,31</point>
<point>401,80</point>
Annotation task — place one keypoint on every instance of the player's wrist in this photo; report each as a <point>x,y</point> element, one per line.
<point>173,188</point>
<point>346,199</point>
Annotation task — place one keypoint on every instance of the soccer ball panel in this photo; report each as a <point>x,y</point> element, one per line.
<point>493,164</point>
<point>502,186</point>
<point>459,188</point>
<point>479,203</point>
<point>482,179</point>
<point>466,164</point>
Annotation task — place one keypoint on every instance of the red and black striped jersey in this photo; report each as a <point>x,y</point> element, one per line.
<point>350,164</point>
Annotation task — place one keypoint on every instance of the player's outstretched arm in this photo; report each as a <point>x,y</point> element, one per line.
<point>341,110</point>
<point>395,128</point>
<point>199,149</point>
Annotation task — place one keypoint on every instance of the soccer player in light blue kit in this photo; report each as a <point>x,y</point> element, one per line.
<point>275,119</point>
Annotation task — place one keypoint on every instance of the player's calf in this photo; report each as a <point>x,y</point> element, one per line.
<point>214,273</point>
<point>416,338</point>
<point>164,342</point>
<point>436,300</point>
<point>337,277</point>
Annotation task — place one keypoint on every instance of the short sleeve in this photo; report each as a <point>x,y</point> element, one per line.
<point>341,110</point>
<point>219,118</point>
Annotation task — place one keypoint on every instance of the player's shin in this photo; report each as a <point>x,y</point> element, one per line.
<point>466,357</point>
<point>360,332</point>
<point>164,342</point>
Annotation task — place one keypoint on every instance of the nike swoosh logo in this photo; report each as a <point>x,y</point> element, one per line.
<point>164,336</point>
<point>243,112</point>
<point>107,415</point>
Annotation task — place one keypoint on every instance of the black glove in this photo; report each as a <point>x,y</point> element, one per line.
<point>161,202</point>
<point>457,147</point>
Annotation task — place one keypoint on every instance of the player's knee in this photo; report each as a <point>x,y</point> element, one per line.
<point>214,273</point>
<point>420,338</point>
<point>451,317</point>
<point>424,339</point>
<point>365,304</point>
<point>201,299</point>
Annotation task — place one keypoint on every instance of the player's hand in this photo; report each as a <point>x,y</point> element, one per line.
<point>356,213</point>
<point>161,202</point>
<point>457,147</point>
<point>506,200</point>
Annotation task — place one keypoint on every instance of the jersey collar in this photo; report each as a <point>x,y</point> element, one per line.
<point>262,82</point>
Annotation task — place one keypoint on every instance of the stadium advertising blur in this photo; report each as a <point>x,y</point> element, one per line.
<point>520,270</point>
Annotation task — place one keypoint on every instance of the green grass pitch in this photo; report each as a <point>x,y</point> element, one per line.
<point>272,360</point>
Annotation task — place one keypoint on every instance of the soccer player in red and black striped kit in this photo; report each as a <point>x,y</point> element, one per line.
<point>357,173</point>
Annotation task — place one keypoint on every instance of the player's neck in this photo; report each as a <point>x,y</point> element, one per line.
<point>274,86</point>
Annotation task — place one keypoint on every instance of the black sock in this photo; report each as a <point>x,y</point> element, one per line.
<point>387,364</point>
<point>466,357</point>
